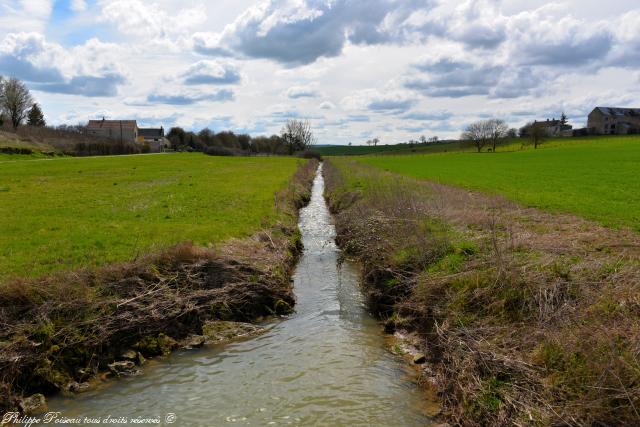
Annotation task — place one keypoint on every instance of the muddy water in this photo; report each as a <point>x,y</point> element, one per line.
<point>327,365</point>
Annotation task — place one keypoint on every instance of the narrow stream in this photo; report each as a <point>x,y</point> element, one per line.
<point>327,365</point>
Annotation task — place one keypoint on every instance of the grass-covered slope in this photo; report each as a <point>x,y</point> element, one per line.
<point>75,212</point>
<point>525,317</point>
<point>595,178</point>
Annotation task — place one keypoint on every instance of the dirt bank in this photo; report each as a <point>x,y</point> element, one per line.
<point>58,332</point>
<point>525,317</point>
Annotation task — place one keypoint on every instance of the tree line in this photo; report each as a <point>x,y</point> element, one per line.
<point>493,132</point>
<point>295,137</point>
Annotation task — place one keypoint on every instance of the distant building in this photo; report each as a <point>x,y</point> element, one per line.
<point>118,130</point>
<point>154,137</point>
<point>614,121</point>
<point>555,127</point>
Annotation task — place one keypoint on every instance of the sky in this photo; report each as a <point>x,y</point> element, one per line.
<point>356,69</point>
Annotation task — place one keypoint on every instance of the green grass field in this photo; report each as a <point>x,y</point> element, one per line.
<point>359,150</point>
<point>72,212</point>
<point>597,178</point>
<point>516,144</point>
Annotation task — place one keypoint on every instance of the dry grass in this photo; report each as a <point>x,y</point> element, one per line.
<point>69,326</point>
<point>529,318</point>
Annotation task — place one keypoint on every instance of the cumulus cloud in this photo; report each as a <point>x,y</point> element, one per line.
<point>90,69</point>
<point>626,51</point>
<point>549,36</point>
<point>328,105</point>
<point>296,92</point>
<point>393,102</point>
<point>78,5</point>
<point>149,20</point>
<point>211,72</point>
<point>297,32</point>
<point>476,23</point>
<point>179,97</point>
<point>106,85</point>
<point>428,116</point>
<point>453,78</point>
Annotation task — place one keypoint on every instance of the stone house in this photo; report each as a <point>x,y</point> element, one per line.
<point>154,138</point>
<point>614,121</point>
<point>118,130</point>
<point>555,127</point>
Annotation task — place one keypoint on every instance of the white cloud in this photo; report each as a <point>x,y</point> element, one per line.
<point>91,69</point>
<point>328,105</point>
<point>78,5</point>
<point>211,72</point>
<point>380,102</point>
<point>149,20</point>
<point>296,92</point>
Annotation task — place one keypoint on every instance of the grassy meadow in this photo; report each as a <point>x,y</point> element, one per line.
<point>359,150</point>
<point>597,178</point>
<point>72,212</point>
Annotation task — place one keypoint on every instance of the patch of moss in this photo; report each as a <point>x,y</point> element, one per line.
<point>148,346</point>
<point>282,307</point>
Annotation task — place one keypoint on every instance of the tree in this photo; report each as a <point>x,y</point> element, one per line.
<point>433,140</point>
<point>297,135</point>
<point>536,133</point>
<point>15,101</point>
<point>563,119</point>
<point>477,134</point>
<point>177,137</point>
<point>35,117</point>
<point>423,140</point>
<point>375,141</point>
<point>497,131</point>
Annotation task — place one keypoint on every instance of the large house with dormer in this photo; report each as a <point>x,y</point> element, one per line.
<point>614,121</point>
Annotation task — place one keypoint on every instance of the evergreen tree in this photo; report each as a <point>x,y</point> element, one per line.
<point>35,117</point>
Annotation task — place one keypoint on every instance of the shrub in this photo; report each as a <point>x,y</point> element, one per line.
<point>219,151</point>
<point>310,154</point>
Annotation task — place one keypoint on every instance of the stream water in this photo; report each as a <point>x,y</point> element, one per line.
<point>326,365</point>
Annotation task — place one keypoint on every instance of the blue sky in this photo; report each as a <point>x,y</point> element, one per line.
<point>356,69</point>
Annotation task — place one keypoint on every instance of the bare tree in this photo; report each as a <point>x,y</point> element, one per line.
<point>477,134</point>
<point>15,101</point>
<point>297,135</point>
<point>375,141</point>
<point>498,131</point>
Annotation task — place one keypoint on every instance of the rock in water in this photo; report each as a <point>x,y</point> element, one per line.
<point>221,331</point>
<point>34,404</point>
<point>131,355</point>
<point>194,341</point>
<point>75,387</point>
<point>125,367</point>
